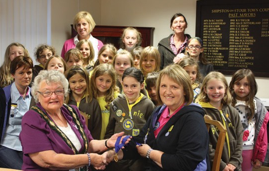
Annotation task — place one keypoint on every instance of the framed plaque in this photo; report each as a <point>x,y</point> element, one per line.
<point>235,35</point>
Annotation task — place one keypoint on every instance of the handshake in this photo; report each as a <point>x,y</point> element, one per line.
<point>100,161</point>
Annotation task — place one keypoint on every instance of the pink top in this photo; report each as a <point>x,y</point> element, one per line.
<point>164,118</point>
<point>71,43</point>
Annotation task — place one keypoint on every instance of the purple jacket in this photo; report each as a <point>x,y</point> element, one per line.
<point>37,135</point>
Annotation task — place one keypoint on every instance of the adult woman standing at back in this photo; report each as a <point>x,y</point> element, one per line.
<point>84,24</point>
<point>176,43</point>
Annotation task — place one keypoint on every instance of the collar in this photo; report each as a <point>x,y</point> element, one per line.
<point>15,94</point>
<point>172,42</point>
<point>41,66</point>
<point>243,103</point>
<point>166,111</point>
<point>76,40</point>
<point>206,105</point>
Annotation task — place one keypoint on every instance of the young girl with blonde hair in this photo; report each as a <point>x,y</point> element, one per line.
<point>215,98</point>
<point>130,39</point>
<point>104,89</point>
<point>86,49</point>
<point>150,60</point>
<point>12,51</point>
<point>121,62</point>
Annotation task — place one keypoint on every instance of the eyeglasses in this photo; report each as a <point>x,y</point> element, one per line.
<point>49,93</point>
<point>194,47</point>
<point>47,55</point>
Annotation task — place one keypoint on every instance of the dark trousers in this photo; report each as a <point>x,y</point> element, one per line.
<point>10,158</point>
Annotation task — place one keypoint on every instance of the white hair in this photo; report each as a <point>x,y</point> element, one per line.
<point>51,76</point>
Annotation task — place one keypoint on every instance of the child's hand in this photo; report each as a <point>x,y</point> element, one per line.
<point>226,168</point>
<point>231,167</point>
<point>257,164</point>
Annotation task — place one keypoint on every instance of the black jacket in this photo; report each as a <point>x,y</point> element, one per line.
<point>166,53</point>
<point>184,140</point>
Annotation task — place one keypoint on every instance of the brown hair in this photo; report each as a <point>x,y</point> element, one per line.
<point>188,61</point>
<point>58,57</point>
<point>253,87</point>
<point>41,48</point>
<point>178,75</point>
<point>79,70</point>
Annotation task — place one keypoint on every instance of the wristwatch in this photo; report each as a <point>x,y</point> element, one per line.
<point>148,153</point>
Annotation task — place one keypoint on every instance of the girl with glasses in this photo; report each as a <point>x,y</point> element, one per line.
<point>195,50</point>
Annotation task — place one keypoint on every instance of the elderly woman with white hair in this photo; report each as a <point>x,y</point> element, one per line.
<point>54,135</point>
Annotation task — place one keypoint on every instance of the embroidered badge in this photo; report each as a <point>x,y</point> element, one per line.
<point>135,132</point>
<point>119,113</point>
<point>128,124</point>
<point>13,109</point>
<point>157,125</point>
<point>13,105</point>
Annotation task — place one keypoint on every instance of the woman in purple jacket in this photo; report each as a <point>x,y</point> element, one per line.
<point>54,135</point>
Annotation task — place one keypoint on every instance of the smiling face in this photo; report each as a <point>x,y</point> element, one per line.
<point>171,93</point>
<point>192,71</point>
<point>77,85</point>
<point>103,84</point>
<point>148,65</point>
<point>121,63</point>
<point>152,93</point>
<point>241,89</point>
<point>106,57</point>
<point>215,90</point>
<point>194,48</point>
<point>23,77</point>
<point>179,25</point>
<point>15,51</point>
<point>56,64</point>
<point>131,88</point>
<point>83,29</point>
<point>85,50</point>
<point>130,39</point>
<point>44,56</point>
<point>54,102</point>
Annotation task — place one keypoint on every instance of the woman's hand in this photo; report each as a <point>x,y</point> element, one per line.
<point>108,156</point>
<point>143,149</point>
<point>112,140</point>
<point>98,161</point>
<point>256,164</point>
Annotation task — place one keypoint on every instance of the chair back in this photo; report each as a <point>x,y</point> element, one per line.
<point>221,139</point>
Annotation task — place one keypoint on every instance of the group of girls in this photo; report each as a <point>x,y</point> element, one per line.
<point>115,99</point>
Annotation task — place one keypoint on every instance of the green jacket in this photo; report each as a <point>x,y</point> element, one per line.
<point>232,151</point>
<point>129,121</point>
